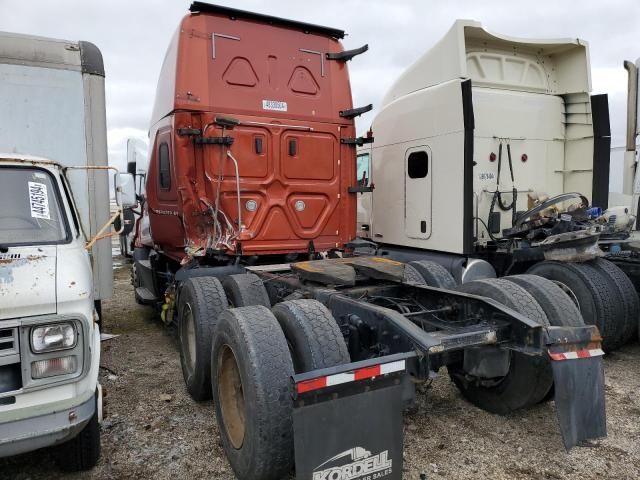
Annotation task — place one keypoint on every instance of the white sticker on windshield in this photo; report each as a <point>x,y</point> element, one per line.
<point>274,105</point>
<point>39,200</point>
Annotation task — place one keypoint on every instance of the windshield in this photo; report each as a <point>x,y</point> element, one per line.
<point>30,212</point>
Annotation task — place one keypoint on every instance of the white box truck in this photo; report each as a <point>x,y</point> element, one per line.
<point>54,267</point>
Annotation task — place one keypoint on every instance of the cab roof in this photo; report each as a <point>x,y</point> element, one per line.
<point>18,158</point>
<point>234,13</point>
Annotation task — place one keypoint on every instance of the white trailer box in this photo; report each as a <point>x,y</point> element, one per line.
<point>53,106</point>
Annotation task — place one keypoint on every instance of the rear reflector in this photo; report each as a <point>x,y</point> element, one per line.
<point>596,352</point>
<point>353,376</point>
<point>53,367</point>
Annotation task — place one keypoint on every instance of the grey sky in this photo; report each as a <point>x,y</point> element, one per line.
<point>133,36</point>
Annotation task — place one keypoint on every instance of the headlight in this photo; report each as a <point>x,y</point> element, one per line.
<point>48,338</point>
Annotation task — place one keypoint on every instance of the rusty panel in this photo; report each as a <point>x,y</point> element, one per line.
<point>246,64</point>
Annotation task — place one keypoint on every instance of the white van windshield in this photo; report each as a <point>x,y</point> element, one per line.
<point>30,212</point>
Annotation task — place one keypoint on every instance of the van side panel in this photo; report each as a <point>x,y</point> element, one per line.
<point>98,206</point>
<point>54,110</point>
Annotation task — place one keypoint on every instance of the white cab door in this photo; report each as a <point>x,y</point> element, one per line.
<point>417,192</point>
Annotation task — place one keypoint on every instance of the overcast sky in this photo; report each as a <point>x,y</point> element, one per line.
<point>133,37</point>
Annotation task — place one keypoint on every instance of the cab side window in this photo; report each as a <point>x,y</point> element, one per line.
<point>164,166</point>
<point>418,164</point>
<point>362,165</point>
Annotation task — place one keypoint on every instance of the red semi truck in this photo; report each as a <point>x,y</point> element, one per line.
<point>309,344</point>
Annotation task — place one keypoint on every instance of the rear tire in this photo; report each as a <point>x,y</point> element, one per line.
<point>83,451</point>
<point>411,275</point>
<point>202,299</point>
<point>529,378</point>
<point>596,296</point>
<point>557,305</point>
<point>314,338</point>
<point>628,293</point>
<point>246,290</point>
<point>251,378</point>
<point>434,274</point>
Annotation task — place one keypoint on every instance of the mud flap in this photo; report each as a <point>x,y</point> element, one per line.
<point>579,396</point>
<point>351,430</point>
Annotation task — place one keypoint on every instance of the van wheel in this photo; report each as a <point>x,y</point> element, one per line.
<point>629,296</point>
<point>434,274</point>
<point>245,290</point>
<point>83,451</point>
<point>201,301</point>
<point>313,336</point>
<point>251,379</point>
<point>529,377</point>
<point>596,295</point>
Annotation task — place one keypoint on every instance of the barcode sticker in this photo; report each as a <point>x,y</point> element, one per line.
<point>274,105</point>
<point>39,200</point>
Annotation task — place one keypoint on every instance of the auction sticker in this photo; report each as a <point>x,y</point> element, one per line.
<point>39,200</point>
<point>274,105</point>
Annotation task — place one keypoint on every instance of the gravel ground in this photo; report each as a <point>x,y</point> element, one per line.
<point>153,430</point>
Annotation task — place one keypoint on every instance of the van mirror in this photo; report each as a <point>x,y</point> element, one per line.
<point>125,185</point>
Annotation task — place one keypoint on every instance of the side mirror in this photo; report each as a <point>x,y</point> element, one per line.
<point>125,190</point>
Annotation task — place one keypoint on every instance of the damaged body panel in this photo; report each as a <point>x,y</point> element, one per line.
<point>248,155</point>
<point>28,281</point>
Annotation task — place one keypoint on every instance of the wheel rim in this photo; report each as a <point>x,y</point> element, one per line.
<point>189,338</point>
<point>231,397</point>
<point>565,288</point>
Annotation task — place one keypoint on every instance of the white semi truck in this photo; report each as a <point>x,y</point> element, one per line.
<point>55,265</point>
<point>489,156</point>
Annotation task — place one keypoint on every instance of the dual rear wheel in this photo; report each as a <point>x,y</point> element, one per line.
<point>244,358</point>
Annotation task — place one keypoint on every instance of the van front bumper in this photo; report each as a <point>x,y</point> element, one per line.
<point>40,431</point>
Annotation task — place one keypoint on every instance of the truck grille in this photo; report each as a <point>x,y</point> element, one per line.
<point>9,347</point>
<point>10,371</point>
<point>9,256</point>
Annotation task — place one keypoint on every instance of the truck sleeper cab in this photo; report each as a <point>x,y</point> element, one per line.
<point>250,156</point>
<point>50,355</point>
<point>478,132</point>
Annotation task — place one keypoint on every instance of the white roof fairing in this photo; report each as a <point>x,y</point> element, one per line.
<point>565,62</point>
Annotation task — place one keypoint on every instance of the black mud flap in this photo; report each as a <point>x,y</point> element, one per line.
<point>351,430</point>
<point>579,396</point>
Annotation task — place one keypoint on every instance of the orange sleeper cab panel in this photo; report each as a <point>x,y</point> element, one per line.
<point>285,96</point>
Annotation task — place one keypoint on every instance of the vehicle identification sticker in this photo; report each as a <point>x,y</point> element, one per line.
<point>39,200</point>
<point>486,176</point>
<point>274,105</point>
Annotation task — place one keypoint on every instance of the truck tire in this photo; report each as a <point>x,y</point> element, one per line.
<point>202,300</point>
<point>529,377</point>
<point>595,294</point>
<point>251,379</point>
<point>557,305</point>
<point>246,290</point>
<point>629,296</point>
<point>411,275</point>
<point>135,281</point>
<point>82,451</point>
<point>314,338</point>
<point>434,274</point>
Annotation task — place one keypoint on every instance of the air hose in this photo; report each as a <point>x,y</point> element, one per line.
<point>497,195</point>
